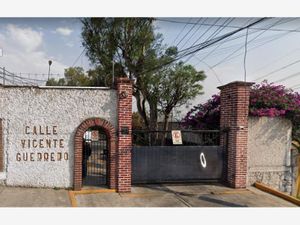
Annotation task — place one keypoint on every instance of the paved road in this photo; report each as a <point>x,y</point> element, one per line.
<point>192,195</point>
<point>199,195</point>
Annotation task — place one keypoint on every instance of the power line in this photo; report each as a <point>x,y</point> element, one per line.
<point>229,55</point>
<point>180,32</point>
<point>222,43</point>
<point>191,36</point>
<point>277,70</point>
<point>250,49</point>
<point>231,26</point>
<point>78,58</point>
<point>212,69</point>
<point>215,33</point>
<point>295,86</point>
<point>276,60</point>
<point>208,43</point>
<point>192,49</point>
<point>288,77</point>
<point>203,34</point>
<point>225,49</point>
<point>187,33</point>
<point>280,36</point>
<point>200,60</point>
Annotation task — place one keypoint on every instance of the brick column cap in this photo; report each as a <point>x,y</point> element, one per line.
<point>236,83</point>
<point>124,80</point>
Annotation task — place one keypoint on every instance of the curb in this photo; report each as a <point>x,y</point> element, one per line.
<point>280,194</point>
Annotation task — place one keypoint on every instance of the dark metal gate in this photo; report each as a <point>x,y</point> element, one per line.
<point>94,158</point>
<point>156,160</point>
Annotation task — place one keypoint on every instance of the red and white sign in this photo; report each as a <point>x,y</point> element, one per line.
<point>176,137</point>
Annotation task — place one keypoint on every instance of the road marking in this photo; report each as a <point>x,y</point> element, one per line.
<point>139,195</point>
<point>94,191</point>
<point>72,199</point>
<point>239,191</point>
<point>72,194</point>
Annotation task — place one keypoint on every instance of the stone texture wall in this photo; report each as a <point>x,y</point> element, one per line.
<point>61,109</point>
<point>1,148</point>
<point>295,172</point>
<point>269,152</point>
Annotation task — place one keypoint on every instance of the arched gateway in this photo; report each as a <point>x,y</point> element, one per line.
<point>104,154</point>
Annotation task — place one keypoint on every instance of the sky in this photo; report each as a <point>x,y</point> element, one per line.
<point>29,43</point>
<point>273,49</point>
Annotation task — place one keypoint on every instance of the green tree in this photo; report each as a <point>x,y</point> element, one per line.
<point>137,52</point>
<point>137,121</point>
<point>54,82</point>
<point>176,86</point>
<point>74,76</point>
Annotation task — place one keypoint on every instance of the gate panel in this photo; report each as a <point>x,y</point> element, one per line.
<point>155,164</point>
<point>94,165</point>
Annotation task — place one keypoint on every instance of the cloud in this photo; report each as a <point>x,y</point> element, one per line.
<point>23,52</point>
<point>26,38</point>
<point>65,31</point>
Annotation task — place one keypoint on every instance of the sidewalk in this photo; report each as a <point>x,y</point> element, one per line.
<point>33,197</point>
<point>192,195</point>
<point>187,195</point>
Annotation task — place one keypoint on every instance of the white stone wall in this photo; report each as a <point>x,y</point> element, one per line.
<point>295,170</point>
<point>269,152</point>
<point>63,108</point>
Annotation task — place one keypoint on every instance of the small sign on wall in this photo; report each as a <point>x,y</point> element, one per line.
<point>176,137</point>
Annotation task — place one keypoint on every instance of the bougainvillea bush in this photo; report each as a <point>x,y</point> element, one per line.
<point>266,99</point>
<point>204,116</point>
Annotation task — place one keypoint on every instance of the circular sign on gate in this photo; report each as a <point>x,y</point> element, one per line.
<point>202,160</point>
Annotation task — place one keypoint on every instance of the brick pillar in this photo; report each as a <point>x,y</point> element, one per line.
<point>124,90</point>
<point>234,117</point>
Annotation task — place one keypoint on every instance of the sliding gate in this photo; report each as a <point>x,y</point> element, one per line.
<point>156,160</point>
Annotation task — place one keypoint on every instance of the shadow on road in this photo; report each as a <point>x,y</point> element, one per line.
<point>220,202</point>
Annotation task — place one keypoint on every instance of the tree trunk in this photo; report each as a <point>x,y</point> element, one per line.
<point>153,124</point>
<point>165,128</point>
<point>141,107</point>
